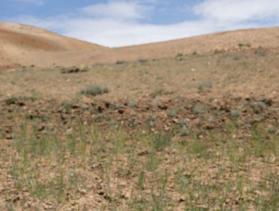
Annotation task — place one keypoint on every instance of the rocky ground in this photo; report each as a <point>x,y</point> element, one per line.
<point>156,153</point>
<point>157,114</point>
<point>188,132</point>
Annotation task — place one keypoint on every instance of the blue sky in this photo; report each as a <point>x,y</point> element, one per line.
<point>128,22</point>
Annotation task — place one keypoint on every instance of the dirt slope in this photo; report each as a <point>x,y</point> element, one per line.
<point>267,38</point>
<point>226,41</point>
<point>26,45</point>
<point>194,131</point>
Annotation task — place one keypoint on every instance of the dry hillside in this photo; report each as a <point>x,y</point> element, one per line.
<point>189,124</point>
<point>27,45</point>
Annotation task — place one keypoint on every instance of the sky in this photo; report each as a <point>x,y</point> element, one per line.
<point>115,23</point>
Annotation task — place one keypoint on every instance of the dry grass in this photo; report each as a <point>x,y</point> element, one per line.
<point>192,131</point>
<point>93,168</point>
<point>238,73</point>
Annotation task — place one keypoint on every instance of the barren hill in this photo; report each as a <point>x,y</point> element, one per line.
<point>225,41</point>
<point>26,45</point>
<point>188,124</point>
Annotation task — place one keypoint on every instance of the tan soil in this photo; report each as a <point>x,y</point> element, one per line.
<point>26,45</point>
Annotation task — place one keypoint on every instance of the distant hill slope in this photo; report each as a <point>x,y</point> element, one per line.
<point>218,42</point>
<point>27,45</point>
<point>225,41</point>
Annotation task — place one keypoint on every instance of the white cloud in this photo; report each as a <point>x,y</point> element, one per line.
<point>121,23</point>
<point>238,10</point>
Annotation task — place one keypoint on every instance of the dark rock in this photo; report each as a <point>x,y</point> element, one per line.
<point>121,111</point>
<point>163,107</point>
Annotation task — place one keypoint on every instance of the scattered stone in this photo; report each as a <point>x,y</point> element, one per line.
<point>163,106</point>
<point>166,128</point>
<point>143,153</point>
<point>211,123</point>
<point>82,191</point>
<point>41,128</point>
<point>121,111</point>
<point>181,200</point>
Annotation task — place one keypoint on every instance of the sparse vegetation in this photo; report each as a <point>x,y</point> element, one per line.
<point>143,61</point>
<point>94,90</point>
<point>68,165</point>
<point>261,51</point>
<point>160,92</point>
<point>244,45</point>
<point>205,86</point>
<point>179,56</point>
<point>18,100</point>
<point>120,62</point>
<point>200,133</point>
<point>74,70</point>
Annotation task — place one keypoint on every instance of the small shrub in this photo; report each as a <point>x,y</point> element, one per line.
<point>244,45</point>
<point>184,131</point>
<point>205,86</point>
<point>67,106</point>
<point>260,51</point>
<point>73,70</point>
<point>160,92</point>
<point>161,141</point>
<point>235,114</point>
<point>179,56</point>
<point>20,100</point>
<point>172,112</point>
<point>142,61</point>
<point>195,53</point>
<point>199,148</point>
<point>94,90</point>
<point>199,108</point>
<point>141,180</point>
<point>153,162</point>
<point>120,62</point>
<point>11,100</point>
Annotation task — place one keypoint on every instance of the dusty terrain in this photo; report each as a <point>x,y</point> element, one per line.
<point>27,45</point>
<point>189,124</point>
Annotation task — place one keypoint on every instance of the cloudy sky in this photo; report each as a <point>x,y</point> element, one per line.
<point>128,22</point>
